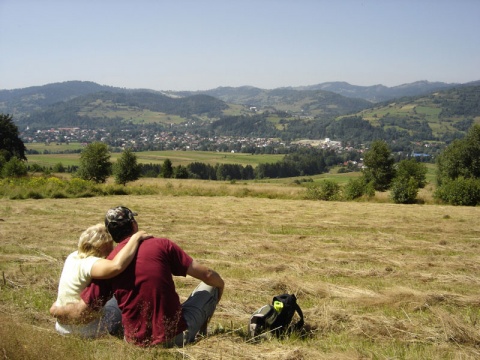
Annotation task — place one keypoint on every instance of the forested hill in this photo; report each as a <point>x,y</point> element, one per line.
<point>376,93</point>
<point>57,105</point>
<point>379,93</point>
<point>26,100</point>
<point>439,117</point>
<point>113,108</point>
<point>309,102</point>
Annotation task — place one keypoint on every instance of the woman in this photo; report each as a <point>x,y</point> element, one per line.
<point>88,263</point>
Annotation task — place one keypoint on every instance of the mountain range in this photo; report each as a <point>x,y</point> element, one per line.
<point>421,110</point>
<point>374,93</point>
<point>37,97</point>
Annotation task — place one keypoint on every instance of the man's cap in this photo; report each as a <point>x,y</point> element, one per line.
<point>119,215</point>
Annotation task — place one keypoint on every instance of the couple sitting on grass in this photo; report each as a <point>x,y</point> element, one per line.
<point>133,287</point>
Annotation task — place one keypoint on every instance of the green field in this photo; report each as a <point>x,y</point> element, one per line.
<point>208,157</point>
<point>186,157</point>
<point>54,147</point>
<point>147,157</point>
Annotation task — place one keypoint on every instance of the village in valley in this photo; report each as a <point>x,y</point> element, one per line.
<point>145,140</point>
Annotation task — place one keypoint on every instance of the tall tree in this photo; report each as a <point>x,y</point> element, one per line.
<point>95,162</point>
<point>379,165</point>
<point>458,171</point>
<point>126,168</point>
<point>10,142</point>
<point>461,158</point>
<point>180,172</point>
<point>167,169</point>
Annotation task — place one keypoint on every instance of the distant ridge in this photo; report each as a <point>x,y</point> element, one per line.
<point>379,93</point>
<point>442,113</point>
<point>374,93</point>
<point>63,91</point>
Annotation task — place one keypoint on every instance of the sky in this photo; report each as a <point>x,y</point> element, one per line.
<point>204,44</point>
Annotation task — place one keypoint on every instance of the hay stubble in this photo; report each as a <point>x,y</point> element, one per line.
<point>374,280</point>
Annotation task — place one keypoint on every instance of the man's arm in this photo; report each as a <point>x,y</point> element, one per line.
<point>107,269</point>
<point>73,313</point>
<point>207,275</point>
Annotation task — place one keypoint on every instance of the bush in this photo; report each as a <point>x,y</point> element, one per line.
<point>35,168</point>
<point>32,194</point>
<point>115,190</point>
<point>58,195</point>
<point>404,190</point>
<point>358,187</point>
<point>59,168</point>
<point>78,186</point>
<point>53,185</point>
<point>303,180</point>
<point>326,190</point>
<point>411,168</point>
<point>14,168</point>
<point>460,191</point>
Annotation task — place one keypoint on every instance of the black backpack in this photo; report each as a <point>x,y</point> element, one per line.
<point>276,318</point>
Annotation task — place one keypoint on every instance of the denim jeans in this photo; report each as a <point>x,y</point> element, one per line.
<point>109,322</point>
<point>197,311</point>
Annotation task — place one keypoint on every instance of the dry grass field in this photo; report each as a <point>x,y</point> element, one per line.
<point>375,280</point>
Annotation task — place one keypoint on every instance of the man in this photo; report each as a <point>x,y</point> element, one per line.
<point>145,291</point>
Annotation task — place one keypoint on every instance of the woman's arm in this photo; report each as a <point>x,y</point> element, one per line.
<point>106,269</point>
<point>73,313</point>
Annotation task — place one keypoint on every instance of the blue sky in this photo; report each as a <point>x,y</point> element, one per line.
<point>204,44</point>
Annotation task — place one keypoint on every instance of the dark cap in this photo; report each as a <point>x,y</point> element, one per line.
<point>119,215</point>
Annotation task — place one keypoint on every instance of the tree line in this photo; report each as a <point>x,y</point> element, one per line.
<point>458,175</point>
<point>305,162</point>
<point>95,165</point>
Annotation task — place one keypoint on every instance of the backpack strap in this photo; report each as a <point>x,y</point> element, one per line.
<point>299,324</point>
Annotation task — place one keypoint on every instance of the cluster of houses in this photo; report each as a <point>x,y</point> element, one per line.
<point>145,140</point>
<point>184,141</point>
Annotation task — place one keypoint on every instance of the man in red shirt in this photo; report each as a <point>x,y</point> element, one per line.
<point>151,310</point>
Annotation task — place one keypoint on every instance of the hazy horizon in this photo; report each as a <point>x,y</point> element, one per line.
<point>246,85</point>
<point>201,45</point>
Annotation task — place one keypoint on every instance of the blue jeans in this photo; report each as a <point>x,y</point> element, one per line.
<point>109,322</point>
<point>197,311</point>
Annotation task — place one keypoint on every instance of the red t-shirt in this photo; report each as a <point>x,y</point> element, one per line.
<point>145,291</point>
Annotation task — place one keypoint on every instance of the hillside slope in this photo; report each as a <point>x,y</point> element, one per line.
<point>285,113</point>
<point>88,103</point>
<point>304,102</point>
<point>379,93</point>
<point>373,94</point>
<point>110,108</point>
<point>20,102</point>
<point>444,115</point>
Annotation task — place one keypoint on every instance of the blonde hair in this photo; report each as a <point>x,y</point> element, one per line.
<point>92,240</point>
